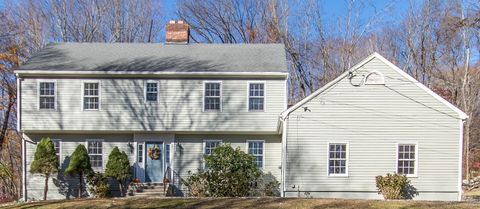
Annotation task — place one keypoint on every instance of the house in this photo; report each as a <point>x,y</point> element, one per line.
<point>372,120</point>
<point>184,99</point>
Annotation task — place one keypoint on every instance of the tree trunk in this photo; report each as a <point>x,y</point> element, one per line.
<point>80,185</point>
<point>121,188</point>
<point>3,132</point>
<point>45,189</point>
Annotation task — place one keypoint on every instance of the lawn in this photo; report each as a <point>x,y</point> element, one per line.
<point>232,203</point>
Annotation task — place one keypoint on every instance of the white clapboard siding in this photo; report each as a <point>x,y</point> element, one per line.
<point>372,119</point>
<point>190,149</point>
<point>187,157</point>
<point>123,107</point>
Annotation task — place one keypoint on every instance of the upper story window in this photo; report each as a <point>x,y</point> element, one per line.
<point>212,96</point>
<point>255,148</point>
<point>406,163</point>
<point>47,95</point>
<point>375,78</point>
<point>337,159</point>
<point>151,91</point>
<point>95,152</point>
<point>256,96</point>
<point>91,95</point>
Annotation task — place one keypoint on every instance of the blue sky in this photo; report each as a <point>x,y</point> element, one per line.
<point>335,8</point>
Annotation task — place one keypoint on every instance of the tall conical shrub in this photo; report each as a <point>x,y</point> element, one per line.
<point>118,168</point>
<point>45,162</point>
<point>79,165</point>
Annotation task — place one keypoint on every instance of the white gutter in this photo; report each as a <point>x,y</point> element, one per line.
<point>147,73</point>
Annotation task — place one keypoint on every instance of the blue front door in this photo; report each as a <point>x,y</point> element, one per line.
<point>154,162</point>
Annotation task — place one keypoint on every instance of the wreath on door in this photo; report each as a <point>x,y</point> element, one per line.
<point>154,152</point>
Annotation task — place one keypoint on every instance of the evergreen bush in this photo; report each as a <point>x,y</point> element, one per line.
<point>45,162</point>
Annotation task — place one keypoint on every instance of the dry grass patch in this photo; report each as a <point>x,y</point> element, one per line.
<point>232,203</point>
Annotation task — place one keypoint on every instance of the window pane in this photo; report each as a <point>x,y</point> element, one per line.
<point>95,152</point>
<point>256,96</point>
<point>255,148</point>
<point>152,91</point>
<point>406,159</point>
<point>47,102</point>
<point>337,162</point>
<point>255,104</point>
<point>47,95</point>
<point>212,103</point>
<point>140,153</point>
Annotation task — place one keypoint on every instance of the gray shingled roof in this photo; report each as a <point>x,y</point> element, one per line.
<point>145,57</point>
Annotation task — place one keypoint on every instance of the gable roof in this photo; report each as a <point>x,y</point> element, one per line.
<point>460,113</point>
<point>158,58</point>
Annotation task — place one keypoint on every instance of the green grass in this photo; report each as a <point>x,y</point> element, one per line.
<point>232,203</point>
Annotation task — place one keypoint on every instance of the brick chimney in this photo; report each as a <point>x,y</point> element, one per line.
<point>178,32</point>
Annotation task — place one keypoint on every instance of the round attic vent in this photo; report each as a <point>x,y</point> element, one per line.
<point>374,78</point>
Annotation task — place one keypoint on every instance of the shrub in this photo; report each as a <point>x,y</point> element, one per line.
<point>98,184</point>
<point>45,162</point>
<point>267,185</point>
<point>118,168</point>
<point>230,173</point>
<point>395,186</point>
<point>80,165</point>
<point>196,184</point>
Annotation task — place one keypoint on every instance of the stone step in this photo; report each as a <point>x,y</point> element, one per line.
<point>157,194</point>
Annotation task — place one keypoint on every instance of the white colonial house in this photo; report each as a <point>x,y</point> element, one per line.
<point>185,99</point>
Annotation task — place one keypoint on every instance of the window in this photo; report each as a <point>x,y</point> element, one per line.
<point>256,96</point>
<point>167,154</point>
<point>140,153</point>
<point>337,159</point>
<point>406,159</point>
<point>95,152</point>
<point>91,96</point>
<point>213,96</point>
<point>255,148</point>
<point>374,78</point>
<point>47,95</point>
<point>57,145</point>
<point>151,91</point>
<point>210,145</point>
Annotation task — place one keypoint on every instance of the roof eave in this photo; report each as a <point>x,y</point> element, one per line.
<point>48,73</point>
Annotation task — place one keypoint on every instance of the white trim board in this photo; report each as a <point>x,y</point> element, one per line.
<point>460,113</point>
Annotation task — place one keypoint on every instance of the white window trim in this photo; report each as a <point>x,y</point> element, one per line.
<point>415,166</point>
<point>221,95</point>
<point>99,94</point>
<point>145,90</point>
<point>143,152</point>
<point>60,149</point>
<point>382,82</point>
<point>263,147</point>
<point>103,152</point>
<point>38,94</point>
<point>203,148</point>
<point>347,161</point>
<point>264,96</point>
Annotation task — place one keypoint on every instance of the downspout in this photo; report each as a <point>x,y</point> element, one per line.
<point>460,159</point>
<point>19,130</point>
<point>284,154</point>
